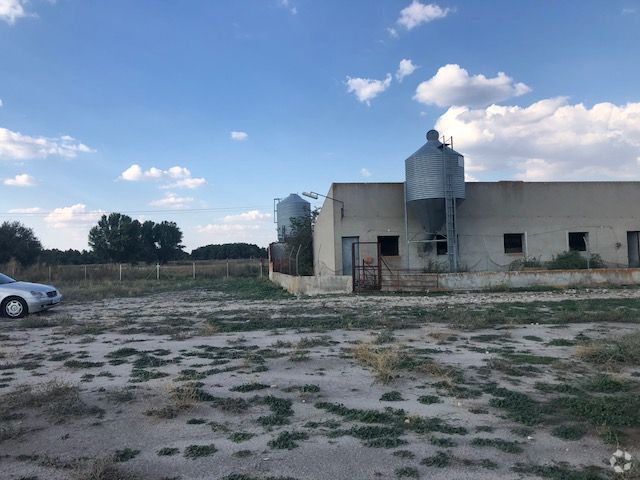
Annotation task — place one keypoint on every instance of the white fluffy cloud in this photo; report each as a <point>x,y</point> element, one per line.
<point>238,136</point>
<point>253,226</point>
<point>405,69</point>
<point>178,177</point>
<point>548,140</point>
<point>11,10</point>
<point>74,216</point>
<point>172,201</point>
<point>366,89</point>
<point>365,172</point>
<point>250,216</point>
<point>418,13</point>
<point>452,85</point>
<point>28,210</point>
<point>21,180</point>
<point>16,146</point>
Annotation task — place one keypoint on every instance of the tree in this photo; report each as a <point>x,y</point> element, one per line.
<point>19,242</point>
<point>116,238</point>
<point>148,248</point>
<point>168,238</point>
<point>67,257</point>
<point>228,250</point>
<point>300,243</point>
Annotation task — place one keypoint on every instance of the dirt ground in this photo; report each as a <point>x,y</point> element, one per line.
<point>212,384</point>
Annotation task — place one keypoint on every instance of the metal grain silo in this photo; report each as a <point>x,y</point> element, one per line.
<point>291,207</point>
<point>434,172</point>
<point>434,185</point>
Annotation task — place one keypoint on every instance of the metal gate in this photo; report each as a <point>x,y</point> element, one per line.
<point>366,266</point>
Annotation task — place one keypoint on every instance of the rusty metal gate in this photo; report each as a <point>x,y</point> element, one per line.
<point>366,266</point>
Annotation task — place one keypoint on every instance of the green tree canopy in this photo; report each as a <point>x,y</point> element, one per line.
<point>19,242</point>
<point>119,238</point>
<point>229,250</point>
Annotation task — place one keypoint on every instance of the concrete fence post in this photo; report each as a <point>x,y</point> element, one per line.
<point>261,268</point>
<point>49,272</point>
<point>120,270</point>
<point>194,270</point>
<point>157,271</point>
<point>227,268</point>
<point>85,273</point>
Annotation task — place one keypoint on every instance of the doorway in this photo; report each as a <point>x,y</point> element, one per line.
<point>633,243</point>
<point>347,253</point>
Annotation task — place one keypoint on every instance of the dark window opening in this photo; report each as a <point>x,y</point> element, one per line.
<point>389,246</point>
<point>513,242</point>
<point>578,241</point>
<point>441,245</point>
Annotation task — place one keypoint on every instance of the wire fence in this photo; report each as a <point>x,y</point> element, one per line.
<point>127,272</point>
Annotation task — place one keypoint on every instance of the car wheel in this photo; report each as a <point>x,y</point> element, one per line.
<point>14,307</point>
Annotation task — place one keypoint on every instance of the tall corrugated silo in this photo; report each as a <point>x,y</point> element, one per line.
<point>434,185</point>
<point>291,207</point>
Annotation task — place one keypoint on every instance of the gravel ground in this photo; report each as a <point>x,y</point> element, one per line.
<point>175,342</point>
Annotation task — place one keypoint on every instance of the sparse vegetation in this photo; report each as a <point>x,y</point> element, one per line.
<point>197,451</point>
<point>383,361</point>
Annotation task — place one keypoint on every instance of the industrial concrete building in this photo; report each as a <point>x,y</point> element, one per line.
<point>436,222</point>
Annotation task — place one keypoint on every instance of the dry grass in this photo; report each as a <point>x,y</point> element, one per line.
<point>383,361</point>
<point>612,353</point>
<point>444,373</point>
<point>184,397</point>
<point>209,330</point>
<point>103,469</point>
<point>57,399</point>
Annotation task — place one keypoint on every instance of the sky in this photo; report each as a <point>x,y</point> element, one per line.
<point>202,112</point>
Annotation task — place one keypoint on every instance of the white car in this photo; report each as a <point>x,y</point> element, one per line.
<point>20,298</point>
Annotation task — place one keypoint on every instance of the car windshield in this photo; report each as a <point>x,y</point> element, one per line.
<point>4,279</point>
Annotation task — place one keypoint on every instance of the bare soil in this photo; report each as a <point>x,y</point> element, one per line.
<point>206,384</point>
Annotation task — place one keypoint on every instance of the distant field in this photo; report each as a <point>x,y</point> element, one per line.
<point>115,272</point>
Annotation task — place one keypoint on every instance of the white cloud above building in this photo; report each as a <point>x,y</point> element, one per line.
<point>551,139</point>
<point>366,89</point>
<point>452,85</point>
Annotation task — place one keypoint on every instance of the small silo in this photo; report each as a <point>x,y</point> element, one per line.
<point>292,207</point>
<point>434,186</point>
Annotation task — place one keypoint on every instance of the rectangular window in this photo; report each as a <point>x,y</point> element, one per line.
<point>389,246</point>
<point>441,245</point>
<point>578,241</point>
<point>514,243</point>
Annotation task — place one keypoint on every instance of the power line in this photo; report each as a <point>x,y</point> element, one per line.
<point>44,213</point>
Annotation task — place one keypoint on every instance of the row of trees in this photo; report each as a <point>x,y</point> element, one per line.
<point>119,238</point>
<point>229,250</point>
<point>116,238</point>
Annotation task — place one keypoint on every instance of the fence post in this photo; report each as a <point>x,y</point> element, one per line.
<point>297,255</point>
<point>227,268</point>
<point>157,271</point>
<point>194,270</point>
<point>85,273</point>
<point>120,265</point>
<point>261,268</point>
<point>49,272</point>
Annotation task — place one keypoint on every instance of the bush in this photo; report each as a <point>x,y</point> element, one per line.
<point>574,261</point>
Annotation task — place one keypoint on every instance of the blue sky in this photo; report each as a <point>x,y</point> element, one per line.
<point>100,99</point>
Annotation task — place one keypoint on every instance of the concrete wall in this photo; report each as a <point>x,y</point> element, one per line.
<point>544,212</point>
<point>541,278</point>
<point>324,253</point>
<point>317,285</point>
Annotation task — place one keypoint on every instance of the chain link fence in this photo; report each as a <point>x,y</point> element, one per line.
<point>127,272</point>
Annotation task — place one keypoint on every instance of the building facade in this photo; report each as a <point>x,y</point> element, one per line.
<point>498,224</point>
